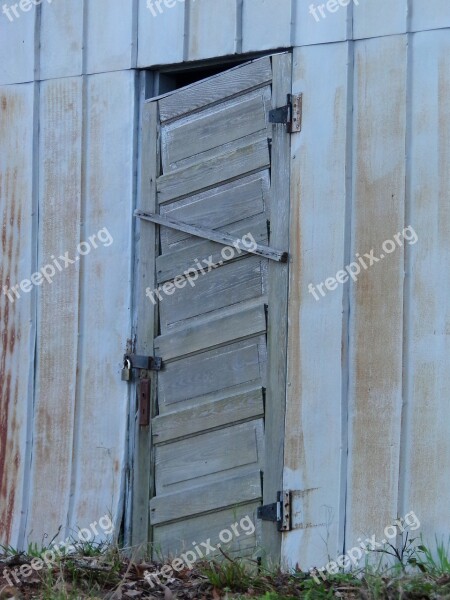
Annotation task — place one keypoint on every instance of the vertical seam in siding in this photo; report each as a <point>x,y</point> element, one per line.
<point>32,374</point>
<point>77,417</point>
<point>350,17</point>
<point>134,34</point>
<point>407,287</point>
<point>346,307</point>
<point>294,13</point>
<point>239,26</point>
<point>37,42</point>
<point>187,29</point>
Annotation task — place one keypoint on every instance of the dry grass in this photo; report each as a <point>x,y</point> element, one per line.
<point>107,573</point>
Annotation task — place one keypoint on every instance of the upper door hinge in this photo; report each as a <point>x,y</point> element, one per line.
<point>279,512</point>
<point>291,114</point>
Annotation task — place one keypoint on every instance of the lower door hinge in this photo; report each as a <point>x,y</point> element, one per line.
<point>279,512</point>
<point>291,114</point>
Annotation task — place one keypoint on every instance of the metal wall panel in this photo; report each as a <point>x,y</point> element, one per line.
<point>105,299</point>
<point>315,419</point>
<point>60,154</point>
<point>310,29</point>
<point>61,39</point>
<point>429,14</point>
<point>110,35</point>
<point>160,34</point>
<point>426,435</point>
<point>376,299</point>
<point>266,24</point>
<point>373,18</point>
<point>18,220</point>
<point>17,47</point>
<point>212,32</point>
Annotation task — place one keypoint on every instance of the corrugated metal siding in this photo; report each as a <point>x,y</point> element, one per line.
<point>367,366</point>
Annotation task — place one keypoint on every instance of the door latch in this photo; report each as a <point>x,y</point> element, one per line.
<point>142,363</point>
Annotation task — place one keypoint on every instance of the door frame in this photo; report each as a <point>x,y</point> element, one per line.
<point>142,452</point>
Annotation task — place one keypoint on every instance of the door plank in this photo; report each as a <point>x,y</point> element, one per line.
<point>210,373</point>
<point>175,537</point>
<point>231,284</point>
<point>204,458</point>
<point>222,124</point>
<point>231,164</point>
<point>222,494</point>
<point>216,208</point>
<point>168,266</point>
<point>208,415</point>
<point>216,89</point>
<point>241,324</point>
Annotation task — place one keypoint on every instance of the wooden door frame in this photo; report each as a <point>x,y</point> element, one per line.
<point>277,321</point>
<point>142,486</point>
<point>146,313</point>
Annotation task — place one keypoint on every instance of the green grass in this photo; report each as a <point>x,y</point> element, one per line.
<point>413,572</point>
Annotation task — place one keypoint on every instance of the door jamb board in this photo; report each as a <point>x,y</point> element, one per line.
<point>278,285</point>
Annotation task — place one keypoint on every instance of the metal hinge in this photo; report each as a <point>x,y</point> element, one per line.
<point>278,512</point>
<point>145,363</point>
<point>291,114</point>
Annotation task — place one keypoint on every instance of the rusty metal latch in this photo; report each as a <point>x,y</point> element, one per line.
<point>290,115</point>
<point>279,512</point>
<point>143,363</point>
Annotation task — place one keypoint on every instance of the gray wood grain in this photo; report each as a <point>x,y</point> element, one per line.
<point>227,492</point>
<point>215,236</point>
<point>205,376</point>
<point>213,332</point>
<point>208,415</point>
<point>216,89</point>
<point>219,168</point>
<point>216,208</point>
<point>277,307</point>
<point>172,539</point>
<point>228,285</point>
<point>171,264</point>
<point>146,325</point>
<point>220,125</point>
<point>205,458</point>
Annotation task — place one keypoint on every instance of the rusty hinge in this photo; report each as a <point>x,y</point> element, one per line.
<point>279,512</point>
<point>290,115</point>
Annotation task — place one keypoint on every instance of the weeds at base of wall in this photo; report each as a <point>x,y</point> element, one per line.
<point>109,573</point>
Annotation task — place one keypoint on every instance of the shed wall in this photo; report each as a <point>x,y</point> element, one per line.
<point>366,432</point>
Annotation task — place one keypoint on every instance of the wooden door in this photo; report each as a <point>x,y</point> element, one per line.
<point>215,313</point>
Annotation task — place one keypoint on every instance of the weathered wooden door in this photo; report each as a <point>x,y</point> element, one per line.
<point>215,313</point>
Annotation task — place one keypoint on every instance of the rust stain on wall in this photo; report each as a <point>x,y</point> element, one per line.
<point>12,195</point>
<point>376,369</point>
